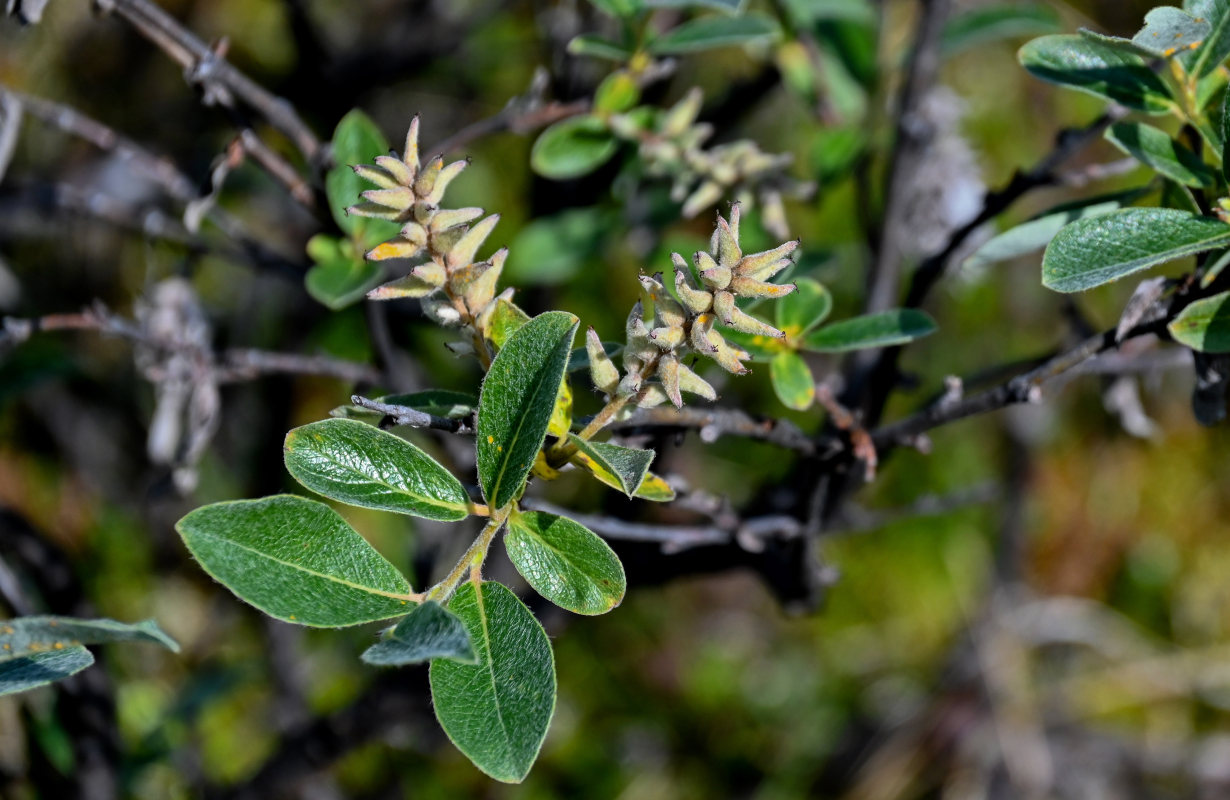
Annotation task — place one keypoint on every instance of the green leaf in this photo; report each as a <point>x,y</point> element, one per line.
<point>619,8</point>
<point>25,636</point>
<point>1097,68</point>
<point>1036,233</point>
<point>618,92</point>
<point>654,488</point>
<point>1154,147</point>
<point>835,151</point>
<point>429,631</point>
<point>1204,325</point>
<point>990,23</point>
<point>506,319</point>
<point>360,465</point>
<point>553,250</point>
<point>594,46</point>
<point>627,465</point>
<point>729,6</point>
<point>497,712</point>
<point>1225,136</point>
<point>1091,252</point>
<point>1214,269</point>
<point>793,381</point>
<point>1170,31</point>
<point>708,33</point>
<point>573,147</point>
<point>872,330</point>
<point>40,669</point>
<point>1214,50</point>
<point>804,308</point>
<point>517,400</point>
<point>565,562</point>
<point>340,275</point>
<point>296,560</point>
<point>356,140</point>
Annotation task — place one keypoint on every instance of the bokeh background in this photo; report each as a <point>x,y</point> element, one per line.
<point>1039,607</point>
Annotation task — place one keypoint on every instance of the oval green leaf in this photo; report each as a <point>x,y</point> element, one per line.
<point>296,560</point>
<point>497,711</point>
<point>1169,31</point>
<point>1097,68</point>
<point>429,631</point>
<point>339,276</point>
<point>991,23</point>
<point>517,401</point>
<point>708,33</point>
<point>356,140</point>
<point>26,635</point>
<point>1037,233</point>
<point>793,381</point>
<point>565,562</point>
<point>1094,251</point>
<point>884,329</point>
<point>588,44</point>
<point>1204,325</point>
<point>627,465</point>
<point>1154,148</point>
<point>804,308</point>
<point>39,669</point>
<point>358,464</point>
<point>573,147</point>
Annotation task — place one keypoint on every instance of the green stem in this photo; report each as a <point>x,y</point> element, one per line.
<point>471,562</point>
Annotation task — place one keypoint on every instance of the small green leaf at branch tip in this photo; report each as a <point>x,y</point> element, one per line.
<point>1170,31</point>
<point>565,562</point>
<point>803,309</point>
<point>588,44</point>
<point>1154,148</point>
<point>573,147</point>
<point>356,140</point>
<point>1001,21</point>
<point>619,8</point>
<point>296,560</point>
<point>361,465</point>
<point>518,398</point>
<point>1098,250</point>
<point>885,329</point>
<point>792,381</point>
<point>708,33</point>
<point>1215,48</point>
<point>24,636</point>
<point>1204,325</point>
<point>429,631</point>
<point>39,669</point>
<point>339,276</point>
<point>1097,67</point>
<point>729,6</point>
<point>497,711</point>
<point>627,465</point>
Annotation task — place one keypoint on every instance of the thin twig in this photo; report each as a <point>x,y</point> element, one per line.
<point>219,77</point>
<point>412,417</point>
<point>714,423</point>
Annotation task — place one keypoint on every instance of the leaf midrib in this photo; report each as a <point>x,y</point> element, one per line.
<point>499,477</point>
<point>560,553</point>
<point>425,499</point>
<point>495,695</point>
<point>368,589</point>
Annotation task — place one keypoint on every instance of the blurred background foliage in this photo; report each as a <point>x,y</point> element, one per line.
<point>1064,633</point>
